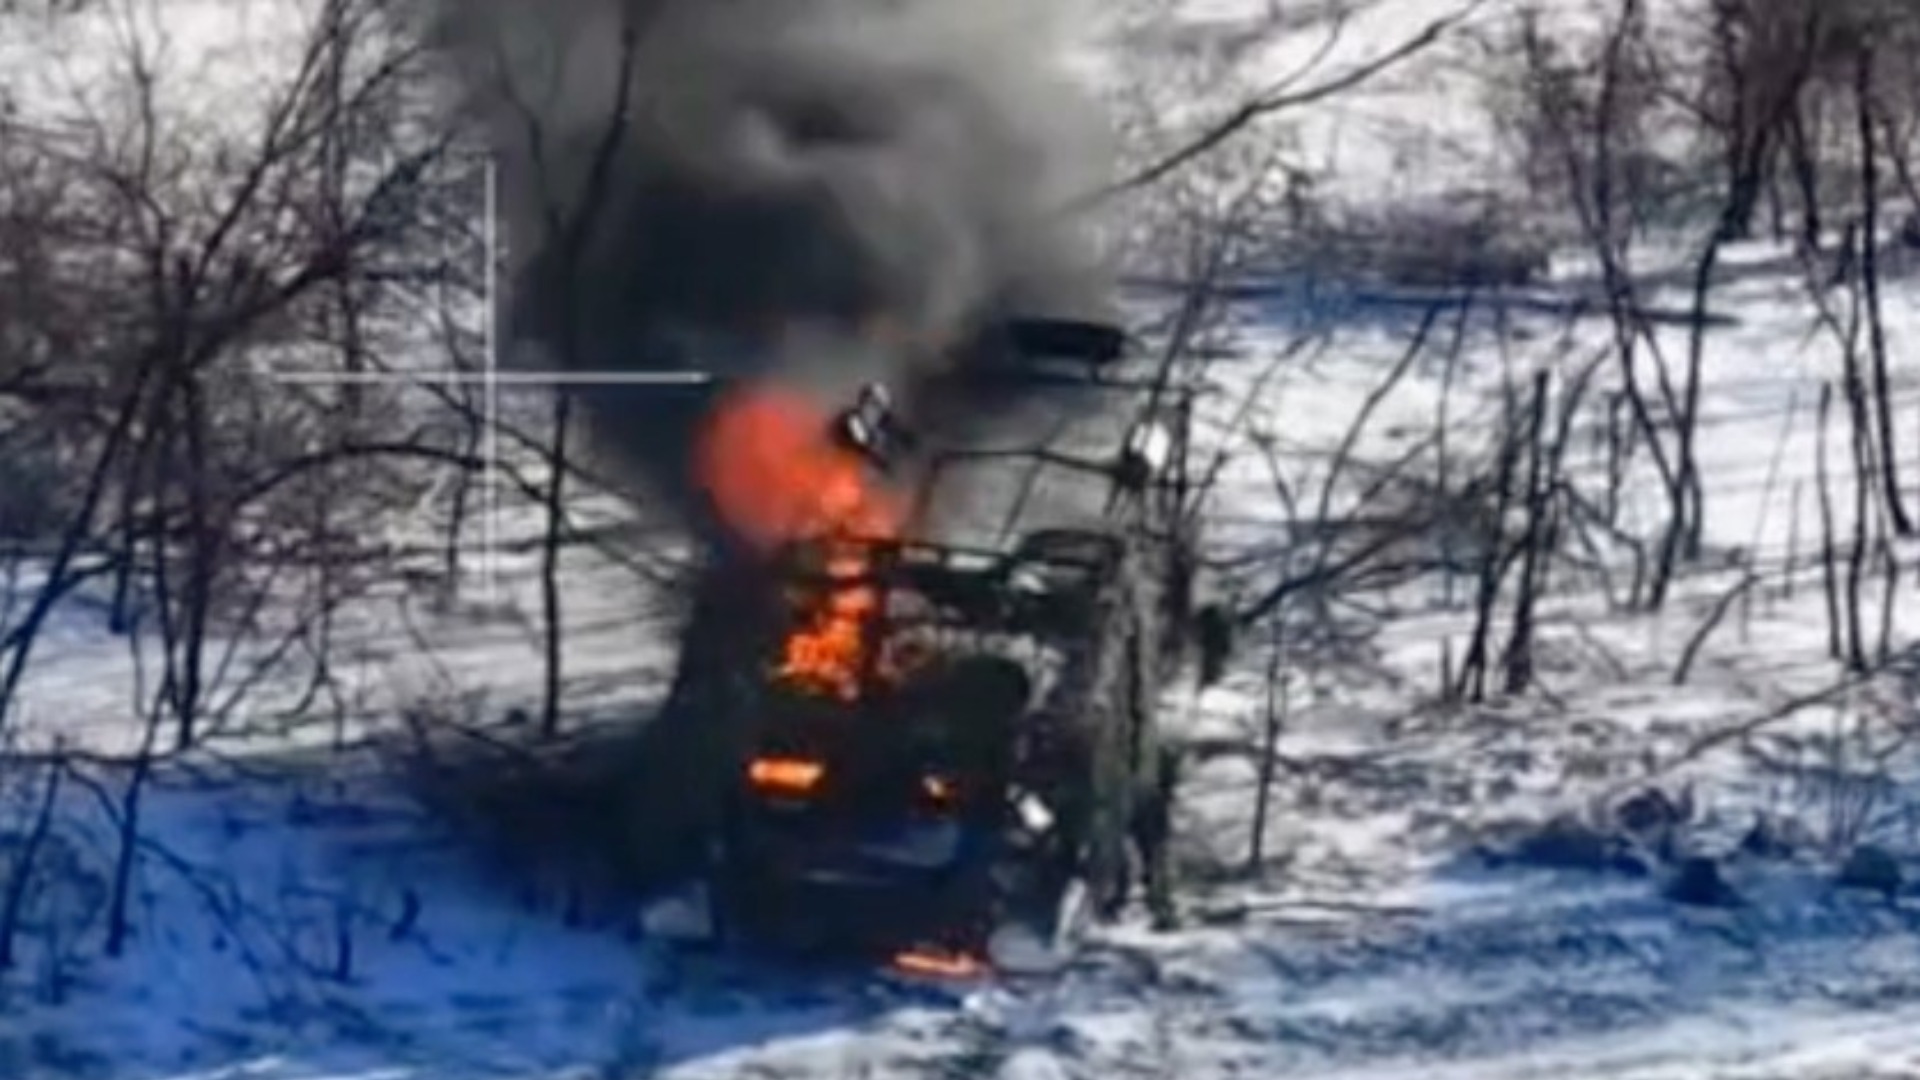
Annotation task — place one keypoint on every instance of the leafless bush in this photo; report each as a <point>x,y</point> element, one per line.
<point>554,820</point>
<point>1584,121</point>
<point>1691,121</point>
<point>163,268</point>
<point>1592,122</point>
<point>1468,239</point>
<point>1848,780</point>
<point>160,267</point>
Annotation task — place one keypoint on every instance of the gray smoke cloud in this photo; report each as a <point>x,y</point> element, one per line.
<point>830,190</point>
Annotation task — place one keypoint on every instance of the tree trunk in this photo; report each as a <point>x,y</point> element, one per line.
<point>1275,722</point>
<point>1473,666</point>
<point>1806,174</point>
<point>550,566</point>
<point>1865,477</point>
<point>203,554</point>
<point>1519,655</point>
<point>1870,281</point>
<point>1829,575</point>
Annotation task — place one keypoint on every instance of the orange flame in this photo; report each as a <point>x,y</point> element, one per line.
<point>793,776</point>
<point>939,964</point>
<point>774,473</point>
<point>768,461</point>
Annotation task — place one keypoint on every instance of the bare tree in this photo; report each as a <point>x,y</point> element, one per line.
<point>197,253</point>
<point>1288,94</point>
<point>1273,725</point>
<point>1519,653</point>
<point>567,220</point>
<point>1495,558</point>
<point>1585,124</point>
<point>1869,263</point>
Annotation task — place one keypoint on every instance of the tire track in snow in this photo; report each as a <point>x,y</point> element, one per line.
<point>1551,968</point>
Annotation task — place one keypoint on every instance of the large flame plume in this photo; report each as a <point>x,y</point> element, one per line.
<point>774,475</point>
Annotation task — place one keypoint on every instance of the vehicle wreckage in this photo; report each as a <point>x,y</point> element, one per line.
<point>943,755</point>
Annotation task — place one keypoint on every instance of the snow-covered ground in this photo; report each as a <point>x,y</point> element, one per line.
<point>288,925</point>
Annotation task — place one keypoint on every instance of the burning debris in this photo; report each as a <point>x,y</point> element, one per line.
<point>871,429</point>
<point>829,652</point>
<point>776,476</point>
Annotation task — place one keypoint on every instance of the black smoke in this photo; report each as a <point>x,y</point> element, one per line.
<point>830,190</point>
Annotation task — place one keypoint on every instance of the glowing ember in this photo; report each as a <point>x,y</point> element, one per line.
<point>793,776</point>
<point>939,964</point>
<point>769,463</point>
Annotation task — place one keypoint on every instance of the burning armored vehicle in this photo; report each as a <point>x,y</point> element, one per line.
<point>938,753</point>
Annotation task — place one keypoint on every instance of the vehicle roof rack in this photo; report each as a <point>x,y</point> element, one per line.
<point>1084,341</point>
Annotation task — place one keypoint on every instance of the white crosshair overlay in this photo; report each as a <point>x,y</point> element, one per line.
<point>491,378</point>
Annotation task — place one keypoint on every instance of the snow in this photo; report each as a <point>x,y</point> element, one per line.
<point>1378,947</point>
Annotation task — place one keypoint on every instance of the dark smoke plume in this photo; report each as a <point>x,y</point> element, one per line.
<point>833,190</point>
